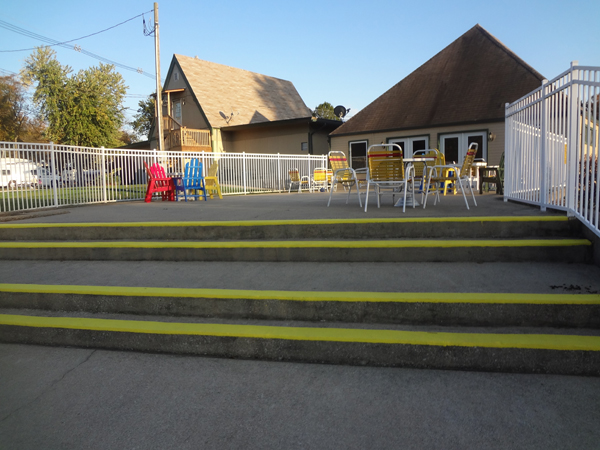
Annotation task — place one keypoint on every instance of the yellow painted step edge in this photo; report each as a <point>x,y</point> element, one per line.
<point>524,341</point>
<point>418,243</point>
<point>309,296</point>
<point>249,223</point>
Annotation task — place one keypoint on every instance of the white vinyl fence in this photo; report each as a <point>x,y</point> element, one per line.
<point>551,149</point>
<point>34,176</point>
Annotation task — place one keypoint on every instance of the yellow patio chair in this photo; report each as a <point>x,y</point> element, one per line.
<point>440,160</point>
<point>343,174</point>
<point>319,179</point>
<point>458,176</point>
<point>295,178</point>
<point>386,172</point>
<point>211,181</point>
<point>420,167</point>
<point>329,178</point>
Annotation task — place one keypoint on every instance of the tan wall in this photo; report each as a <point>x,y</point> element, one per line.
<point>191,115</point>
<point>495,147</point>
<point>285,139</point>
<point>320,144</point>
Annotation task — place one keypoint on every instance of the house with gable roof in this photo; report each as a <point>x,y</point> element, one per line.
<point>456,98</point>
<point>213,107</point>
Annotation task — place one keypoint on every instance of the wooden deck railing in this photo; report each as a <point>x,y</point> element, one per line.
<point>187,137</point>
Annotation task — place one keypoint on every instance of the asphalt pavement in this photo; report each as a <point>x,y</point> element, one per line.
<point>65,398</point>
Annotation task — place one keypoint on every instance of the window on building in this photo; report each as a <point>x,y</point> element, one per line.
<point>358,154</point>
<point>409,145</point>
<point>177,111</point>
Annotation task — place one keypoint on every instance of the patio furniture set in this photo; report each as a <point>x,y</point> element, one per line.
<point>425,173</point>
<point>193,184</point>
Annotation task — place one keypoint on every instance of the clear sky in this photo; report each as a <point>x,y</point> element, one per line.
<point>344,52</point>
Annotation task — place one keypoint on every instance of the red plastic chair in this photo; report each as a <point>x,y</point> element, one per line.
<point>159,182</point>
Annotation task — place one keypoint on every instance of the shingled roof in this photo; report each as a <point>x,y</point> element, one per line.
<point>468,82</point>
<point>252,97</point>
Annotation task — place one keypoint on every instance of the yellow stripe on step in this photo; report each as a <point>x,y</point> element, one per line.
<point>251,223</point>
<point>309,296</point>
<point>409,243</point>
<point>524,341</point>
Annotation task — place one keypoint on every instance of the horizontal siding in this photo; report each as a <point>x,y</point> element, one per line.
<point>495,147</point>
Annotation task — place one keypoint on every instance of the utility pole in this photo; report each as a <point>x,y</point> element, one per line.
<point>158,106</point>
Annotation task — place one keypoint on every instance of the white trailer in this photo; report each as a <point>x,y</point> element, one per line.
<point>16,172</point>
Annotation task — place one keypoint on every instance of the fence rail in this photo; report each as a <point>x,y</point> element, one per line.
<point>551,149</point>
<point>34,176</point>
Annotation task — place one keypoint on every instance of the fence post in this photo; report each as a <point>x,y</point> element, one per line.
<point>572,142</point>
<point>543,148</point>
<point>53,174</point>
<point>279,171</point>
<point>244,169</point>
<point>103,159</point>
<point>509,150</point>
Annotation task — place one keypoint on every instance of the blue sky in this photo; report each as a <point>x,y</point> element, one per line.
<point>344,52</point>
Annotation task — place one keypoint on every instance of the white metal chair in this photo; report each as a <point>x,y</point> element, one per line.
<point>460,176</point>
<point>295,178</point>
<point>319,179</point>
<point>343,174</point>
<point>387,172</point>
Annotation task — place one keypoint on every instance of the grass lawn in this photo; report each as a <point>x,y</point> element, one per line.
<point>19,199</point>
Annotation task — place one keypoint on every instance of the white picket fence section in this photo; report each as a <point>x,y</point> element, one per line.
<point>34,176</point>
<point>551,147</point>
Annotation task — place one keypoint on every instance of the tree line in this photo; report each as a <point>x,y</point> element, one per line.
<point>83,108</point>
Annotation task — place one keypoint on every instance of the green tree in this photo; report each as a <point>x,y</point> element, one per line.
<point>325,111</point>
<point>144,118</point>
<point>127,137</point>
<point>13,109</point>
<point>84,109</point>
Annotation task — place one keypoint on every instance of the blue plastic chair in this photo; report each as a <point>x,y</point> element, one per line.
<point>193,179</point>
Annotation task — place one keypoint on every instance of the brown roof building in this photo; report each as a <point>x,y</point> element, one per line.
<point>215,107</point>
<point>455,98</point>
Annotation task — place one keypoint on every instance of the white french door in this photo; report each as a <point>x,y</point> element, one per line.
<point>411,145</point>
<point>454,146</point>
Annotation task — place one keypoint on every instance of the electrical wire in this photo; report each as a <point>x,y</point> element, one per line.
<point>7,72</point>
<point>24,32</point>
<point>77,48</point>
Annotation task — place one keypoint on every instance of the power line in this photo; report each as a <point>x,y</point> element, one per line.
<point>77,48</point>
<point>24,32</point>
<point>7,72</point>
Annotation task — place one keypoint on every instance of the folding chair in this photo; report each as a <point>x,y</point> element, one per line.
<point>386,172</point>
<point>458,176</point>
<point>343,174</point>
<point>319,179</point>
<point>295,178</point>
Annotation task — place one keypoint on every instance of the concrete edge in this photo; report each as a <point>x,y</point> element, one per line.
<point>496,359</point>
<point>251,223</point>
<point>576,314</point>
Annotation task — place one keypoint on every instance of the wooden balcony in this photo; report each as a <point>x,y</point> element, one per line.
<point>180,138</point>
<point>187,140</point>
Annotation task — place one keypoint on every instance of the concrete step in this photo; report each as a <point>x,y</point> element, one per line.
<point>413,308</point>
<point>403,250</point>
<point>556,351</point>
<point>509,227</point>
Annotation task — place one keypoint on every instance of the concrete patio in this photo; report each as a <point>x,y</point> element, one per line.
<point>292,206</point>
